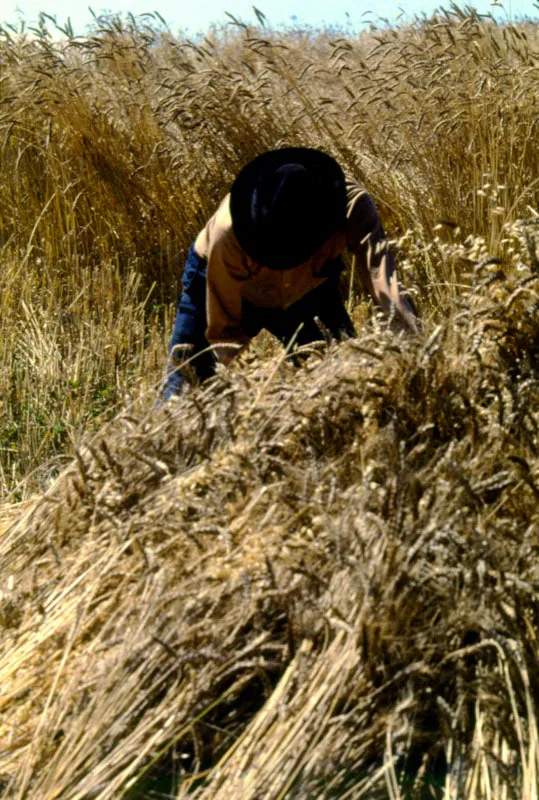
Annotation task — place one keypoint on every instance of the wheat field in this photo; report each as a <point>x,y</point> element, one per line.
<point>294,582</point>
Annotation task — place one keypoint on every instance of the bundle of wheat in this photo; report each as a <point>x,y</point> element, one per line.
<point>294,582</point>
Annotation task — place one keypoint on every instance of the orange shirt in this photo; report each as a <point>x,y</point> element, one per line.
<point>233,277</point>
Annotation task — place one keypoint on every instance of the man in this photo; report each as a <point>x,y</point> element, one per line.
<point>271,257</point>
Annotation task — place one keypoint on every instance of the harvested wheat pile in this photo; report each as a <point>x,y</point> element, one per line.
<point>294,582</point>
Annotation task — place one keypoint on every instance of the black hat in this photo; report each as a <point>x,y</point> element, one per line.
<point>285,204</point>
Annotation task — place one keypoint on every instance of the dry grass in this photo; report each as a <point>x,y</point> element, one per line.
<point>293,582</point>
<point>114,150</point>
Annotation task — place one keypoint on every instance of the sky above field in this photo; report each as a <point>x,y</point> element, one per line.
<point>193,16</point>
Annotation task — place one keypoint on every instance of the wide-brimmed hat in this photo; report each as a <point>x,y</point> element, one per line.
<point>285,204</point>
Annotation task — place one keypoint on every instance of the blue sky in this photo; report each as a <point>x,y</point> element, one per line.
<point>193,16</point>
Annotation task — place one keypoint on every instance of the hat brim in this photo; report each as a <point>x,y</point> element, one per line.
<point>266,246</point>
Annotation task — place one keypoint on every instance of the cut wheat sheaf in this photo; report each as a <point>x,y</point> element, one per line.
<point>313,582</point>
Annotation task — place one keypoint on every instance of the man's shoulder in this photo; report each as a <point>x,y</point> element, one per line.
<point>223,249</point>
<point>218,231</point>
<point>221,223</point>
<point>355,192</point>
<point>361,215</point>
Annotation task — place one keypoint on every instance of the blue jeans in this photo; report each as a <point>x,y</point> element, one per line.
<point>324,302</point>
